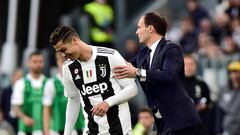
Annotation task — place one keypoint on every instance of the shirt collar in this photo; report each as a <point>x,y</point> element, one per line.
<point>154,46</point>
<point>30,77</point>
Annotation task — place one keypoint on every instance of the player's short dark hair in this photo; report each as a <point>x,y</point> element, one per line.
<point>62,33</point>
<point>35,53</point>
<point>157,20</point>
<point>146,110</point>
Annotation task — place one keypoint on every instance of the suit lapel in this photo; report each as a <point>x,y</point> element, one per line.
<point>160,45</point>
<point>142,57</point>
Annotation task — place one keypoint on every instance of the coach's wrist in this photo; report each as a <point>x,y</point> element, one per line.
<point>138,72</point>
<point>141,74</point>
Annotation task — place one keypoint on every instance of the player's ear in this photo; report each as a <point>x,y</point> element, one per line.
<point>74,40</point>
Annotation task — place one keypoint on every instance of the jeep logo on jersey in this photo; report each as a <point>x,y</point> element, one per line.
<point>94,89</point>
<point>103,70</point>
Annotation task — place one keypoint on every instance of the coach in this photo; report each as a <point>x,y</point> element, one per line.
<point>160,67</point>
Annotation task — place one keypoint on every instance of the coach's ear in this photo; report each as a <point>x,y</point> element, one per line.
<point>151,28</point>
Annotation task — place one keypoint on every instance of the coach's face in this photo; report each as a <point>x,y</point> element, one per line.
<point>68,49</point>
<point>143,32</point>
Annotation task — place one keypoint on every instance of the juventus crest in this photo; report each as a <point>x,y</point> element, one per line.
<point>103,70</point>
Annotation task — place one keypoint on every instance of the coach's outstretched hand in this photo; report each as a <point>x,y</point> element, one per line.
<point>100,109</point>
<point>125,71</point>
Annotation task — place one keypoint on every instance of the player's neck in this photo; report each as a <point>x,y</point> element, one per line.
<point>35,75</point>
<point>87,53</point>
<point>60,71</point>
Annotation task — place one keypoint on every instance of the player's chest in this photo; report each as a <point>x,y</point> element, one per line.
<point>87,73</point>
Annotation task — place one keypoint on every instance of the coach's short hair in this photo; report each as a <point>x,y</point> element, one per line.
<point>62,33</point>
<point>157,20</point>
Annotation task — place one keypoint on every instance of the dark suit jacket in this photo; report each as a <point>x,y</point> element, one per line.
<point>163,86</point>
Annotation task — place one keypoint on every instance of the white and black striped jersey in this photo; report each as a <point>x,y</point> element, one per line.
<point>94,80</point>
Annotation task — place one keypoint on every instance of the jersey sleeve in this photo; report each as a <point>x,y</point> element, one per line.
<point>118,60</point>
<point>70,89</point>
<point>18,90</point>
<point>128,85</point>
<point>49,93</point>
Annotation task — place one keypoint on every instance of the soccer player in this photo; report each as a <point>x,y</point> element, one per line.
<point>88,79</point>
<point>55,103</point>
<point>27,97</point>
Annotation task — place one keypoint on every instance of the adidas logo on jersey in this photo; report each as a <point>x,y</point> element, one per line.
<point>77,77</point>
<point>96,88</point>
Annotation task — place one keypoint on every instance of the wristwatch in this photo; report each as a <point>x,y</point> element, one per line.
<point>139,72</point>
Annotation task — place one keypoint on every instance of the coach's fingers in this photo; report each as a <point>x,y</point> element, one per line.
<point>119,67</point>
<point>120,70</point>
<point>122,73</point>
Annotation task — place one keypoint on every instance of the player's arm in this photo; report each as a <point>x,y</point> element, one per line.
<point>28,121</point>
<point>128,85</point>
<point>17,101</point>
<point>73,105</point>
<point>48,96</point>
<point>129,90</point>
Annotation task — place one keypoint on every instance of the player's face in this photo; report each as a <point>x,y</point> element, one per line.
<point>142,31</point>
<point>69,50</point>
<point>36,64</point>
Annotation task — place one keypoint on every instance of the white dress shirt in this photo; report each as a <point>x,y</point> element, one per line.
<point>153,49</point>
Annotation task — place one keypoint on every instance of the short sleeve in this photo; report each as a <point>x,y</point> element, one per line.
<point>17,95</point>
<point>49,93</point>
<point>70,89</point>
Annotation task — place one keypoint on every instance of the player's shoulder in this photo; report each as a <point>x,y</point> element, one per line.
<point>67,63</point>
<point>19,84</point>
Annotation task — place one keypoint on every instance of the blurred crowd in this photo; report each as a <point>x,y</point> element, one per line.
<point>211,47</point>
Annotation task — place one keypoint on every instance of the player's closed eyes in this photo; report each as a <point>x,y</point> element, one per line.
<point>62,50</point>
